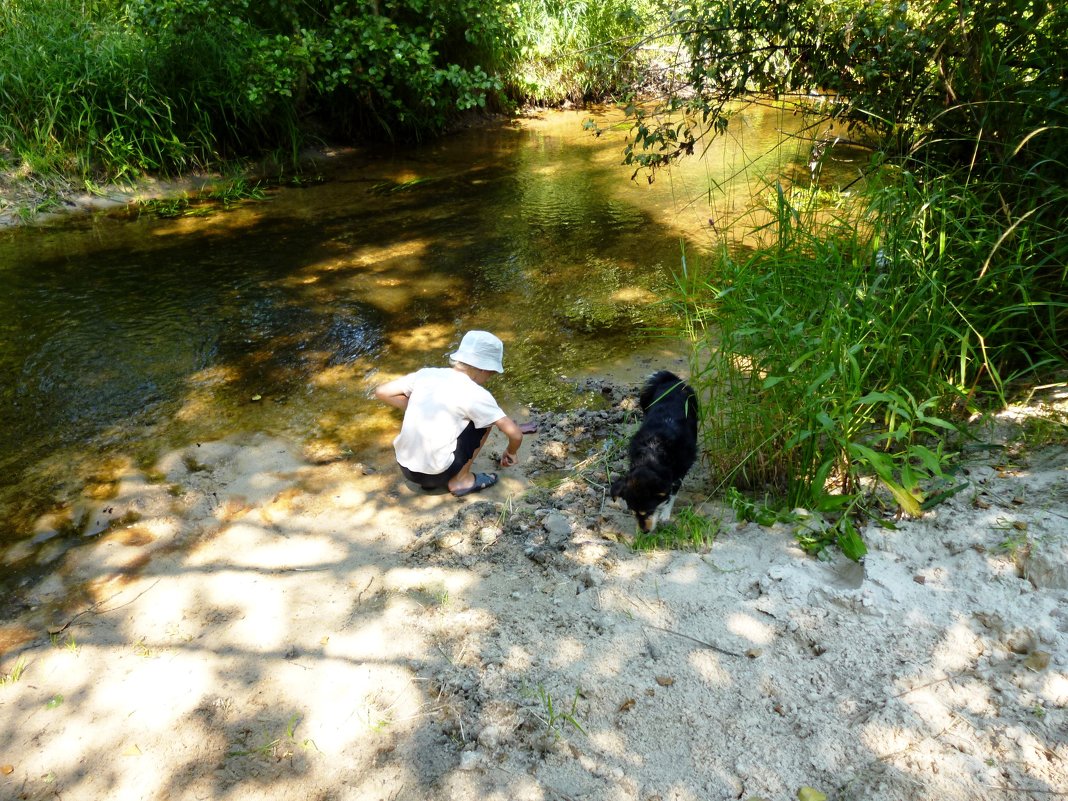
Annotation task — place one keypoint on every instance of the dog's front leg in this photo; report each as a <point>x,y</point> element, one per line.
<point>663,511</point>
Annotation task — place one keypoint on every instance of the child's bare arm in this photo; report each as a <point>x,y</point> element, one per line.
<point>393,393</point>
<point>511,430</point>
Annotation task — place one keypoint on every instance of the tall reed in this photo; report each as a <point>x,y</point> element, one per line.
<point>841,347</point>
<point>84,91</point>
<point>575,50</point>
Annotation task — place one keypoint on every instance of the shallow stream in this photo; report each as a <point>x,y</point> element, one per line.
<point>125,334</point>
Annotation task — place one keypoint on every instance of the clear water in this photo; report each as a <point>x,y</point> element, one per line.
<point>124,334</point>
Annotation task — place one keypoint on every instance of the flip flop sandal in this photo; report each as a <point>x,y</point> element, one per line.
<point>482,480</point>
<point>529,427</point>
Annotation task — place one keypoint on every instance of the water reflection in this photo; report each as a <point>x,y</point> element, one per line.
<point>121,334</point>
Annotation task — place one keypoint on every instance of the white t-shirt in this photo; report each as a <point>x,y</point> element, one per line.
<point>441,402</point>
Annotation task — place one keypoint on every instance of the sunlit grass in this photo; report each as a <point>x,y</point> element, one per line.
<point>687,531</point>
<point>858,337</point>
<point>16,673</point>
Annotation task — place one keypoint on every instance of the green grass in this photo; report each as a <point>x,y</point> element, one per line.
<point>16,672</point>
<point>104,90</point>
<point>688,531</point>
<point>278,747</point>
<point>88,91</point>
<point>554,717</point>
<point>224,197</point>
<point>839,358</point>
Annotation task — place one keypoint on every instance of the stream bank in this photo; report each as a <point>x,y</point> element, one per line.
<point>280,623</point>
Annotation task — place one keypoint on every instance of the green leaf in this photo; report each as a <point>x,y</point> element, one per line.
<point>938,421</point>
<point>833,503</point>
<point>820,379</point>
<point>928,458</point>
<point>879,462</point>
<point>908,477</point>
<point>849,540</point>
<point>874,397</point>
<point>819,480</point>
<point>944,495</point>
<point>800,360</point>
<point>905,499</point>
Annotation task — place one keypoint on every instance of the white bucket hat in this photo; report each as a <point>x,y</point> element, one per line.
<point>480,349</point>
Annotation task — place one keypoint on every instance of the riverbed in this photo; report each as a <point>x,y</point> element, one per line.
<point>128,332</point>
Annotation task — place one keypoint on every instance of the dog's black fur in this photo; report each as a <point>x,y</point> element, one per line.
<point>661,451</point>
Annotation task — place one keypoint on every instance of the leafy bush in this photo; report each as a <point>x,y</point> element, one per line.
<point>836,353</point>
<point>968,80</point>
<point>576,50</point>
<point>119,87</point>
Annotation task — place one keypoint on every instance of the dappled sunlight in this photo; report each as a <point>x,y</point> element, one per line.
<point>251,611</point>
<point>1054,689</point>
<point>376,640</point>
<point>426,338</point>
<point>341,376</point>
<point>253,604</point>
<point>617,744</point>
<point>564,651</point>
<point>395,297</point>
<point>709,668</point>
<point>751,629</point>
<point>344,706</point>
<point>274,318</point>
<point>958,648</point>
<point>154,687</point>
<point>199,401</point>
<point>452,582</point>
<point>518,660</point>
<point>633,294</point>
<point>316,628</point>
<point>239,219</point>
<point>268,610</point>
<point>249,546</point>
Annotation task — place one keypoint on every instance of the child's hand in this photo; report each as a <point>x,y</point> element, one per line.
<point>509,459</point>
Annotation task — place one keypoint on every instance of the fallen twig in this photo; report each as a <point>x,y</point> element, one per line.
<point>694,639</point>
<point>875,705</point>
<point>950,677</point>
<point>95,610</point>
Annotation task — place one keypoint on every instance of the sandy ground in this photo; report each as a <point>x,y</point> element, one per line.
<point>259,621</point>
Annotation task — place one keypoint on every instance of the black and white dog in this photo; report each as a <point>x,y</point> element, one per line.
<point>662,450</point>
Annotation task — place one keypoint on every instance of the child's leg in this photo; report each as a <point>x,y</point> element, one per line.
<point>471,441</point>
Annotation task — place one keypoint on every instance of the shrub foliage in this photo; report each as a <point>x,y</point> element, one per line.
<point>116,86</point>
<point>837,352</point>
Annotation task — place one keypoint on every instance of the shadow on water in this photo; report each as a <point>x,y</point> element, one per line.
<point>121,335</point>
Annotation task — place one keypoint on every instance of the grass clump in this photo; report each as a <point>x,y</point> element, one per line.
<point>104,90</point>
<point>688,530</point>
<point>554,717</point>
<point>838,360</point>
<point>101,88</point>
<point>16,672</point>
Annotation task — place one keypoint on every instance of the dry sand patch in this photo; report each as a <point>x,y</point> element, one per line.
<point>277,627</point>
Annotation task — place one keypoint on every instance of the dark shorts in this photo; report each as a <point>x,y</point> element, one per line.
<point>469,441</point>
